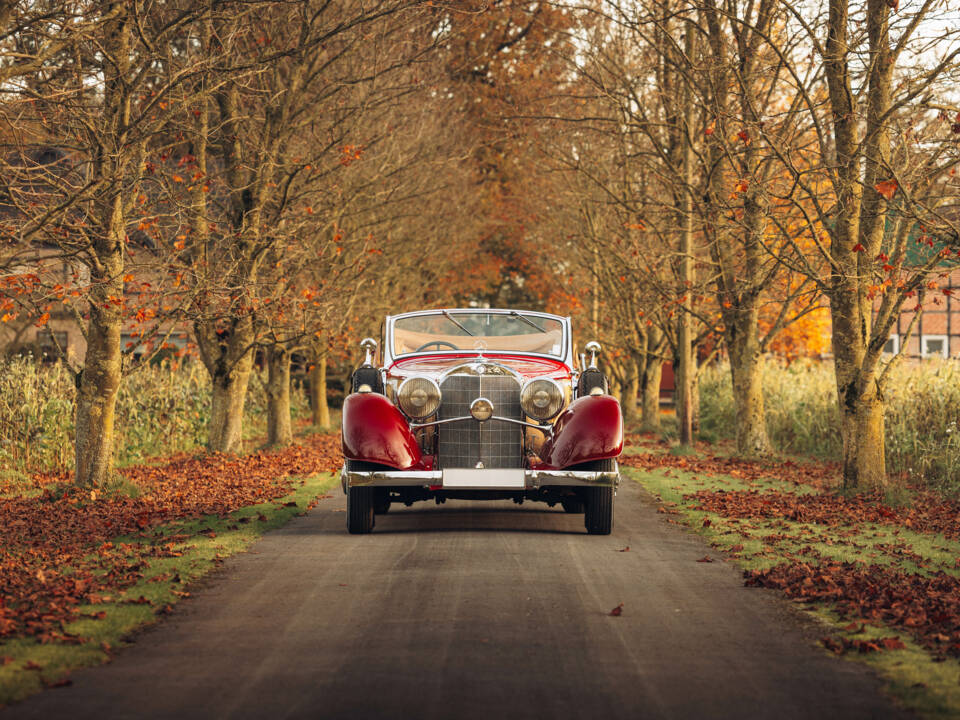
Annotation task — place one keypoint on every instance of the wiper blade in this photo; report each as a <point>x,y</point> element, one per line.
<point>529,322</point>
<point>454,321</point>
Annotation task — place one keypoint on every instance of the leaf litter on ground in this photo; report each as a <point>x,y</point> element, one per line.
<point>59,549</point>
<point>925,605</point>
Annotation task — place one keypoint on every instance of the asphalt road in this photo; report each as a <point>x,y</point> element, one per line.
<point>475,610</point>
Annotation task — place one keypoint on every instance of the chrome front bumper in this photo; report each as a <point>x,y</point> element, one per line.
<point>489,479</point>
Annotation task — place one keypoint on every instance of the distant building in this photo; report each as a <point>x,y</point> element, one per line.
<point>60,336</point>
<point>937,331</point>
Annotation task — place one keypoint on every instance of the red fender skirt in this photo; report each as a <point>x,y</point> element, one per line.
<point>590,429</point>
<point>375,431</point>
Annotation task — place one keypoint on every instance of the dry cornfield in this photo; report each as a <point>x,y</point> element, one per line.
<point>922,412</point>
<point>161,409</point>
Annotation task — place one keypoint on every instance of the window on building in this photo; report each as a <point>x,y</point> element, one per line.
<point>132,346</point>
<point>155,347</point>
<point>934,345</point>
<point>892,346</point>
<point>171,346</point>
<point>52,344</point>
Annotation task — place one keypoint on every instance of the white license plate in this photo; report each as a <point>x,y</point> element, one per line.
<point>469,478</point>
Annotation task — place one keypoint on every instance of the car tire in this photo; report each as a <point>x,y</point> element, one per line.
<point>598,501</point>
<point>359,510</point>
<point>598,513</point>
<point>379,498</point>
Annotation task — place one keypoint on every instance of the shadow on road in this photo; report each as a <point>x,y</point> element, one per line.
<point>501,518</point>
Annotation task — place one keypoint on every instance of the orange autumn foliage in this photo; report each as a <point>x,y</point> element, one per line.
<point>807,337</point>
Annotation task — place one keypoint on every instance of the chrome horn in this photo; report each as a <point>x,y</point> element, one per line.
<point>592,347</point>
<point>369,346</point>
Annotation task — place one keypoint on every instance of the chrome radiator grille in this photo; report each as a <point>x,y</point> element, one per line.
<point>495,443</point>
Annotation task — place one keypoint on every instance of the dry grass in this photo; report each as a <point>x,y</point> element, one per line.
<point>160,409</point>
<point>923,410</point>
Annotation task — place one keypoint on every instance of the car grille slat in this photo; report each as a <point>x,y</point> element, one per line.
<point>495,443</point>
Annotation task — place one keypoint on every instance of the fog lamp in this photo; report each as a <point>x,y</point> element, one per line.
<point>481,409</point>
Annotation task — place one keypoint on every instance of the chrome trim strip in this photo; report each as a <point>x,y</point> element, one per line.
<point>548,429</point>
<point>534,479</point>
<point>495,311</point>
<point>480,360</point>
<point>392,478</point>
<point>565,322</point>
<point>417,426</point>
<point>540,478</point>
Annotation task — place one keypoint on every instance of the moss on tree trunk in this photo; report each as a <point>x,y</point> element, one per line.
<point>226,409</point>
<point>228,356</point>
<point>318,393</point>
<point>746,369</point>
<point>650,391</point>
<point>860,398</point>
<point>279,426</point>
<point>631,388</point>
<point>100,379</point>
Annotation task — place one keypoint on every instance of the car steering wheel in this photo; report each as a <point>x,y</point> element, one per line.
<point>438,343</point>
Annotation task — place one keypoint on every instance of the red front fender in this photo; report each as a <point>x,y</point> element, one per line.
<point>374,430</point>
<point>590,429</point>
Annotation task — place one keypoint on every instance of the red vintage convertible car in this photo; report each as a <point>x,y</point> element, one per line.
<point>480,404</point>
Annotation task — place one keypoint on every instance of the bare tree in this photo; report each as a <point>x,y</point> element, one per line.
<point>871,181</point>
<point>93,83</point>
<point>265,138</point>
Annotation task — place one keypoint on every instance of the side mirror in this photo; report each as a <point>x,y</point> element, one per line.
<point>369,346</point>
<point>593,347</point>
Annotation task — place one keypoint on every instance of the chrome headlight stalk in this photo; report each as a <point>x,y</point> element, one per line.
<point>593,347</point>
<point>541,398</point>
<point>369,347</point>
<point>418,397</point>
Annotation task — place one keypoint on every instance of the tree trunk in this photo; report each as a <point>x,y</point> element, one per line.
<point>226,411</point>
<point>862,427</point>
<point>860,400</point>
<point>695,396</point>
<point>652,368</point>
<point>102,368</point>
<point>748,402</point>
<point>631,388</point>
<point>100,379</point>
<point>746,369</point>
<point>318,393</point>
<point>614,386</point>
<point>228,356</point>
<point>862,220</point>
<point>279,427</point>
<point>683,380</point>
<point>860,163</point>
<point>685,360</point>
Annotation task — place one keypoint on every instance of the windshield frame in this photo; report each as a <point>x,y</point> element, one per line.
<point>565,342</point>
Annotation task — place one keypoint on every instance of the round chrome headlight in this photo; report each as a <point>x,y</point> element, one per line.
<point>541,398</point>
<point>418,397</point>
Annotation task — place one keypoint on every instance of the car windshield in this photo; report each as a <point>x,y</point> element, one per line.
<point>495,332</point>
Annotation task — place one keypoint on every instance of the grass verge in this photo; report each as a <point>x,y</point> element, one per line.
<point>920,680</point>
<point>197,546</point>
